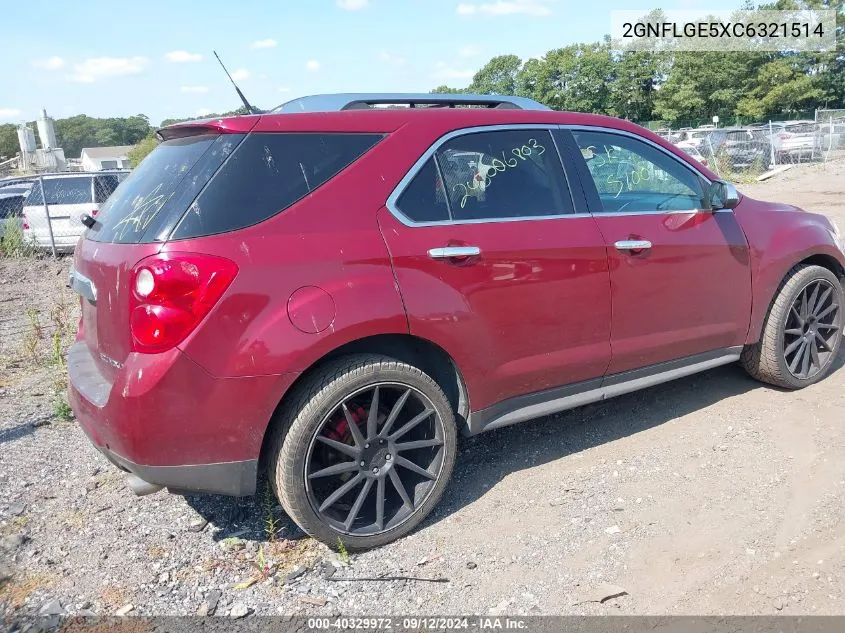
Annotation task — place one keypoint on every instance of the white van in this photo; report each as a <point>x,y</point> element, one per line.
<point>66,197</point>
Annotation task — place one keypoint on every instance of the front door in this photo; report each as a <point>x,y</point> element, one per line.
<point>680,272</point>
<point>497,268</point>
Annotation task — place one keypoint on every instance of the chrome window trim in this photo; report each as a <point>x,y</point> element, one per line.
<point>393,198</point>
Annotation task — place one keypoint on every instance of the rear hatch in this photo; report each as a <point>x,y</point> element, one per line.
<point>133,224</point>
<point>66,199</point>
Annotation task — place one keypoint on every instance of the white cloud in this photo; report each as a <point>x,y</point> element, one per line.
<point>396,60</point>
<point>195,90</point>
<point>182,57</point>
<point>534,8</point>
<point>99,68</point>
<point>268,43</point>
<point>51,63</point>
<point>284,89</point>
<point>352,5</point>
<point>203,112</point>
<point>9,113</point>
<point>468,51</point>
<point>240,74</point>
<point>313,65</point>
<point>444,71</point>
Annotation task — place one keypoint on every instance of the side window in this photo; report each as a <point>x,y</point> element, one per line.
<point>634,177</point>
<point>424,199</point>
<point>104,186</point>
<point>265,175</point>
<point>503,174</point>
<point>36,195</point>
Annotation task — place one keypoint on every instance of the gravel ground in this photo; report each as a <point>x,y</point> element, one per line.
<point>710,495</point>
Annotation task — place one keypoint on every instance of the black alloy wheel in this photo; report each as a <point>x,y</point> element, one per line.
<point>375,459</point>
<point>812,325</point>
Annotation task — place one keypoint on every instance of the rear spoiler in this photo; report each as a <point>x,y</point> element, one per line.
<point>228,125</point>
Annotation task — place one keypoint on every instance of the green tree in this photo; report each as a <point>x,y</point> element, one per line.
<point>446,90</point>
<point>577,78</point>
<point>634,88</point>
<point>497,77</point>
<point>140,151</point>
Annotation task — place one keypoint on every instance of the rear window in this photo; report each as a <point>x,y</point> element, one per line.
<point>62,191</point>
<point>267,174</point>
<point>150,201</point>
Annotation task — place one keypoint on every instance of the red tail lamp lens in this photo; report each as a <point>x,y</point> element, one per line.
<point>171,294</point>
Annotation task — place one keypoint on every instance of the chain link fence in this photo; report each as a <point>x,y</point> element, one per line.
<point>744,153</point>
<point>45,215</point>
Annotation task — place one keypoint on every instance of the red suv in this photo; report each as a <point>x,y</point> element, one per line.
<point>332,290</point>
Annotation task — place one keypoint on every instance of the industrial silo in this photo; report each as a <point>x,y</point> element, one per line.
<point>26,138</point>
<point>47,131</point>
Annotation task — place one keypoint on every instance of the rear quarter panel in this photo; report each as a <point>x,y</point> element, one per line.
<point>780,236</point>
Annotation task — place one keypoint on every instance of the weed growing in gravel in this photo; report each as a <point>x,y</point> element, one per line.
<point>62,410</point>
<point>271,522</point>
<point>343,555</point>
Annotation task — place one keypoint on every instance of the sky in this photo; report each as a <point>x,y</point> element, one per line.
<point>155,57</point>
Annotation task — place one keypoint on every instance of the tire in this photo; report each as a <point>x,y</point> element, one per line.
<point>770,358</point>
<point>316,409</point>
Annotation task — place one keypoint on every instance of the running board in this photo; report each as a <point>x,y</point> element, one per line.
<point>535,405</point>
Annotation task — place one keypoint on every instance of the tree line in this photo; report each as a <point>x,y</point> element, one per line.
<point>678,87</point>
<point>76,132</point>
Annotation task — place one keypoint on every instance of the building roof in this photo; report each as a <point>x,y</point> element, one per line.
<point>118,151</point>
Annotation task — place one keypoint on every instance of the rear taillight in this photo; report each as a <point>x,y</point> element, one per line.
<point>94,213</point>
<point>25,221</point>
<point>783,137</point>
<point>171,294</point>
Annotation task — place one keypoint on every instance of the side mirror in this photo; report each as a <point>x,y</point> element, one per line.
<point>723,195</point>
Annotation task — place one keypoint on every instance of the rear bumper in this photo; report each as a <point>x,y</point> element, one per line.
<point>236,479</point>
<point>165,419</point>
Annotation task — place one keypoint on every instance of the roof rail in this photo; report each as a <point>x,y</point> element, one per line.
<point>362,101</point>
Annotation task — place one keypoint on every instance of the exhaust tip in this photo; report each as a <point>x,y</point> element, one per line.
<point>141,487</point>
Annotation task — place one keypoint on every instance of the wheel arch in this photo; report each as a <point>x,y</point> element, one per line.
<point>822,259</point>
<point>414,350</point>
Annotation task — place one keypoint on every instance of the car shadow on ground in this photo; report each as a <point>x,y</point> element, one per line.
<point>486,459</point>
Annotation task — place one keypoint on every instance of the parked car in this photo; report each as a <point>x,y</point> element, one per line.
<point>830,135</point>
<point>67,197</point>
<point>315,293</point>
<point>12,195</point>
<point>746,147</point>
<point>794,141</point>
<point>693,152</point>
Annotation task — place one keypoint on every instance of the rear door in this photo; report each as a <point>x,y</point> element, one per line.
<point>680,274</point>
<point>498,265</point>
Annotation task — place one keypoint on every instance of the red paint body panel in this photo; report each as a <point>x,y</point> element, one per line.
<point>548,302</point>
<point>165,410</point>
<point>530,313</point>
<point>780,236</point>
<point>673,300</point>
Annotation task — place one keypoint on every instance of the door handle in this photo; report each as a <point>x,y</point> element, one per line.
<point>450,252</point>
<point>632,245</point>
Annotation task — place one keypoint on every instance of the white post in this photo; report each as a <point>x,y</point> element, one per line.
<point>47,213</point>
<point>772,144</point>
